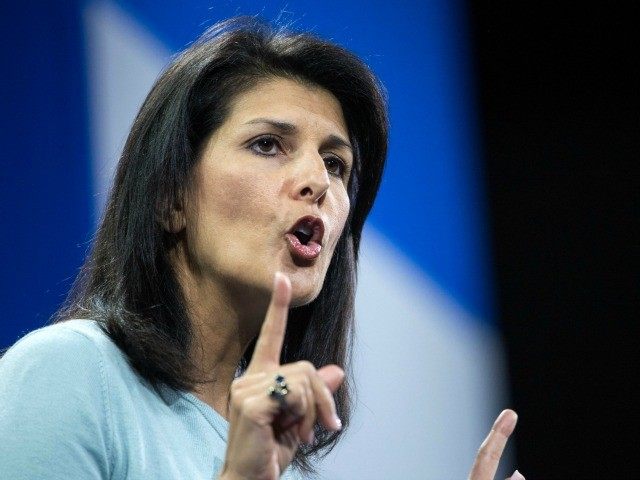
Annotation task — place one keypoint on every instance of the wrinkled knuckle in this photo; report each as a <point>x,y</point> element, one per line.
<point>305,383</point>
<point>237,385</point>
<point>240,401</point>
<point>494,456</point>
<point>489,453</point>
<point>245,405</point>
<point>306,366</point>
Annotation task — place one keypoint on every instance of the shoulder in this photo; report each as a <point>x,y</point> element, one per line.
<point>53,346</point>
<point>62,364</point>
<point>71,361</point>
<point>77,334</point>
<point>77,345</point>
<point>55,401</point>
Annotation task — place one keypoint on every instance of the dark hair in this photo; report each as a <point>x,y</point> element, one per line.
<point>127,283</point>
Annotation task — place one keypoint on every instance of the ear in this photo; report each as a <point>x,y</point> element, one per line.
<point>176,221</point>
<point>173,218</point>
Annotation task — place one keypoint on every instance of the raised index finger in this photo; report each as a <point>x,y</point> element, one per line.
<point>486,464</point>
<point>269,343</point>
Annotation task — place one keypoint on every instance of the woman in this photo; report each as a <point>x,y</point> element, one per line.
<point>239,201</point>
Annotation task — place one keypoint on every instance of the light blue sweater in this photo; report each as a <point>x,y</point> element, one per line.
<point>71,407</point>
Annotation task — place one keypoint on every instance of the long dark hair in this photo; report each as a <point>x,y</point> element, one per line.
<point>127,283</point>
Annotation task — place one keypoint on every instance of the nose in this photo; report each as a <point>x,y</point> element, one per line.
<point>312,180</point>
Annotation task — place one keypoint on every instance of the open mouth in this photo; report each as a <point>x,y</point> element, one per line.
<point>305,238</point>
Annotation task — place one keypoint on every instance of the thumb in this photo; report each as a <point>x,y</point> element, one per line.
<point>332,376</point>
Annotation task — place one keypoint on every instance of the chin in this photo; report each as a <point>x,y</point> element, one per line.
<point>304,292</point>
<point>306,281</point>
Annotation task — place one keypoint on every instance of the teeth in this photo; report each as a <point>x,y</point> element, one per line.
<point>305,230</point>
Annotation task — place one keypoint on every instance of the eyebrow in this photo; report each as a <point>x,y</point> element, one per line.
<point>333,141</point>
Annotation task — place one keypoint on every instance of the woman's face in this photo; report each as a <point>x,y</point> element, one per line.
<point>270,192</point>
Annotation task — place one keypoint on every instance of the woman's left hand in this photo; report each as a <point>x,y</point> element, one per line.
<point>265,431</point>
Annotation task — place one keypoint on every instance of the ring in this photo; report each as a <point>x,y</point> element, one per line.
<point>279,390</point>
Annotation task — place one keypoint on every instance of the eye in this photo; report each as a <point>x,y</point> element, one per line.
<point>267,145</point>
<point>335,166</point>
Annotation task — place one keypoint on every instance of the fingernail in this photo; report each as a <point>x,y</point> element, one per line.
<point>506,422</point>
<point>337,422</point>
<point>516,476</point>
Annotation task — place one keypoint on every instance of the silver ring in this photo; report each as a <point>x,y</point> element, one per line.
<point>279,390</point>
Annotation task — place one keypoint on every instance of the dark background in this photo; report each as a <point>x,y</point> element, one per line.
<point>560,127</point>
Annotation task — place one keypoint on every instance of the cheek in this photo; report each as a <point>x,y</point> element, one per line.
<point>224,195</point>
<point>232,200</point>
<point>340,215</point>
<point>225,189</point>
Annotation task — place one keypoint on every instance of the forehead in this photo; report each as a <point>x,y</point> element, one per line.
<point>291,101</point>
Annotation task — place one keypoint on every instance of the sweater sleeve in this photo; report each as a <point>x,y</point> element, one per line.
<point>54,412</point>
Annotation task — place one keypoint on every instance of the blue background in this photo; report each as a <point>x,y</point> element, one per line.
<point>431,205</point>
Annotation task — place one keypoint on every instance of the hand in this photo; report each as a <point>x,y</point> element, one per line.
<point>486,463</point>
<point>264,435</point>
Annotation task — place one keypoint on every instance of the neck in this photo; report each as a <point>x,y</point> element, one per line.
<point>224,322</point>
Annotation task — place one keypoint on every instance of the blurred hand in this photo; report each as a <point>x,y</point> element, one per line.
<point>264,434</point>
<point>486,463</point>
<point>516,476</point>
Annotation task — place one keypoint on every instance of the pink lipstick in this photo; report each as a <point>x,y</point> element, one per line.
<point>305,238</point>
